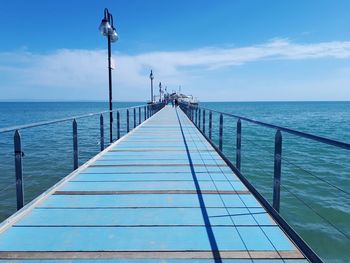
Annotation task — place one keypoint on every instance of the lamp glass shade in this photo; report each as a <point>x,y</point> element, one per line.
<point>114,35</point>
<point>105,27</point>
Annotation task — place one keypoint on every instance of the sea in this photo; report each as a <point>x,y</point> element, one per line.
<point>315,179</point>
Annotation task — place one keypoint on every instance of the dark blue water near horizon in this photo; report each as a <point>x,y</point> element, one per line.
<point>315,177</point>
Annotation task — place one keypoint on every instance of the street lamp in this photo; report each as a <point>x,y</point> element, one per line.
<point>151,77</point>
<point>107,29</point>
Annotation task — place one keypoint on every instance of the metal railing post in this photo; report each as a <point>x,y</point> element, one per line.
<point>118,125</point>
<point>127,121</point>
<point>19,171</point>
<point>75,145</point>
<point>144,111</point>
<point>210,124</point>
<point>196,116</point>
<point>203,122</point>
<point>238,144</point>
<point>199,119</point>
<point>277,171</point>
<point>134,118</point>
<point>139,115</point>
<point>102,139</point>
<point>221,131</point>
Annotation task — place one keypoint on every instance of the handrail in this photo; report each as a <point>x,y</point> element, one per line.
<point>197,115</point>
<point>148,111</point>
<point>328,141</point>
<point>42,123</point>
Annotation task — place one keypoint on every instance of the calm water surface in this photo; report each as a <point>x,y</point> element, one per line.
<point>315,178</point>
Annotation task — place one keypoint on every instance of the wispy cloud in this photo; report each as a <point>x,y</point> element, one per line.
<point>81,74</point>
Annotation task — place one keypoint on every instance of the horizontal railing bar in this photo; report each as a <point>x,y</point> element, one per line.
<point>43,123</point>
<point>339,144</point>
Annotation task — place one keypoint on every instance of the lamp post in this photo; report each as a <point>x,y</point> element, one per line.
<point>160,91</point>
<point>107,29</point>
<point>151,77</point>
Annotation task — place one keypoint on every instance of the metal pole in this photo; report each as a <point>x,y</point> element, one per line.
<point>134,118</point>
<point>221,131</point>
<point>196,117</point>
<point>118,125</point>
<point>19,171</point>
<point>110,90</point>
<point>144,111</point>
<point>210,124</point>
<point>199,119</point>
<point>102,139</point>
<point>139,115</point>
<point>127,121</point>
<point>238,144</point>
<point>203,121</point>
<point>277,171</point>
<point>75,144</point>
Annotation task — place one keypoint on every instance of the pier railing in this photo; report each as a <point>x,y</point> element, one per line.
<point>233,127</point>
<point>124,120</point>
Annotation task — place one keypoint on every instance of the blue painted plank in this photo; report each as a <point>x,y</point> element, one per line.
<point>128,217</point>
<point>114,239</point>
<point>149,200</point>
<point>152,177</point>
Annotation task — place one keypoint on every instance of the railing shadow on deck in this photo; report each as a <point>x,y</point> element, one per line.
<point>288,188</point>
<point>124,120</point>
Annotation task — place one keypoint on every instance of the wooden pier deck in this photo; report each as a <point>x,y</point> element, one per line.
<point>159,194</point>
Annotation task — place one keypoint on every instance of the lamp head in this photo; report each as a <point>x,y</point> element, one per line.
<point>105,27</point>
<point>113,34</point>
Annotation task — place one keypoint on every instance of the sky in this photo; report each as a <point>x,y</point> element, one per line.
<point>227,50</point>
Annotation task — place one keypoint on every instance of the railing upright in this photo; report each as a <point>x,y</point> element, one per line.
<point>238,144</point>
<point>210,124</point>
<point>277,170</point>
<point>139,115</point>
<point>19,170</point>
<point>199,118</point>
<point>118,125</point>
<point>196,118</point>
<point>134,118</point>
<point>102,139</point>
<point>192,114</point>
<point>203,121</point>
<point>75,145</point>
<point>144,111</point>
<point>221,131</point>
<point>127,121</point>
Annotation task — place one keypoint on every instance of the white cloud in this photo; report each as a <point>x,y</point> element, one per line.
<point>82,74</point>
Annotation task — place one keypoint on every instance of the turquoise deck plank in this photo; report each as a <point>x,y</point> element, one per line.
<point>153,157</point>
<point>148,169</point>
<point>149,200</point>
<point>151,185</point>
<point>152,177</point>
<point>157,161</point>
<point>132,216</point>
<point>116,239</point>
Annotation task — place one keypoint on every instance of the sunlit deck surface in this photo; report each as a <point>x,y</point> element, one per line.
<point>159,194</point>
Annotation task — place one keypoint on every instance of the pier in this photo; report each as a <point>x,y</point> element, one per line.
<point>161,193</point>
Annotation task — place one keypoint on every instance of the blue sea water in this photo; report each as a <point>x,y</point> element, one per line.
<point>315,177</point>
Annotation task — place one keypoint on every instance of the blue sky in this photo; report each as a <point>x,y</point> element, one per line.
<point>216,50</point>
